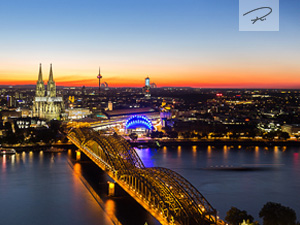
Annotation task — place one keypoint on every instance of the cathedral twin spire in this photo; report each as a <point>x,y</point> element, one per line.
<point>40,86</point>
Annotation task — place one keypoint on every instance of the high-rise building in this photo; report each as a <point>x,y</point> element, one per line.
<point>99,78</point>
<point>11,101</point>
<point>47,105</point>
<point>146,88</point>
<point>147,81</point>
<point>83,91</point>
<point>110,106</point>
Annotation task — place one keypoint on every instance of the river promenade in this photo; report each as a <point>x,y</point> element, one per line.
<point>213,142</point>
<point>158,142</point>
<point>39,146</point>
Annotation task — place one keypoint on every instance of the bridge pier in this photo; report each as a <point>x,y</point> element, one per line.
<point>78,155</point>
<point>111,188</point>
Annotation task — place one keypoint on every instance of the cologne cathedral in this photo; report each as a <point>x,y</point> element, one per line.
<point>46,104</point>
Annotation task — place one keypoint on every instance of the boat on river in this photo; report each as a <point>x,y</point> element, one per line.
<point>54,150</point>
<point>7,151</point>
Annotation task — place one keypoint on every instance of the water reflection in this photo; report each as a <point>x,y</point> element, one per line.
<point>33,191</point>
<point>194,152</point>
<point>13,160</point>
<point>77,168</point>
<point>209,151</point>
<point>179,151</point>
<point>222,188</point>
<point>17,157</point>
<point>69,153</point>
<point>30,157</point>
<point>165,151</point>
<point>41,157</point>
<point>296,160</point>
<point>225,152</point>
<point>110,208</point>
<point>276,155</point>
<point>146,156</point>
<point>256,154</point>
<point>238,176</point>
<point>23,157</point>
<point>3,164</point>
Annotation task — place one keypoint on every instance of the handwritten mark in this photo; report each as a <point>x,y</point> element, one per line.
<point>259,18</point>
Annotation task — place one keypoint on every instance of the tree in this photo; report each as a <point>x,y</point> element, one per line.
<point>156,134</point>
<point>234,135</point>
<point>270,136</point>
<point>55,125</point>
<point>133,136</point>
<point>204,135</point>
<point>284,135</point>
<point>186,134</point>
<point>276,214</point>
<point>172,134</point>
<point>235,216</point>
<point>8,126</point>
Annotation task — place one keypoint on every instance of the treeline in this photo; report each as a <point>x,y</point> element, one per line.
<point>271,213</point>
<point>46,134</point>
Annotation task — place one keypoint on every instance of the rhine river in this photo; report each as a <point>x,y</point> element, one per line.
<point>54,188</point>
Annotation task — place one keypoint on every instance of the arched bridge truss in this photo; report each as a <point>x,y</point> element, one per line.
<point>169,197</point>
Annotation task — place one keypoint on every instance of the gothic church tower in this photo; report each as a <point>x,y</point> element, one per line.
<point>47,106</point>
<point>40,87</point>
<point>51,87</point>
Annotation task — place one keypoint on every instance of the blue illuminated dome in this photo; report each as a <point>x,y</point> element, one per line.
<point>138,121</point>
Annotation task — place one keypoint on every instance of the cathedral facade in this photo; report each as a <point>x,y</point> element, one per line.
<point>46,104</point>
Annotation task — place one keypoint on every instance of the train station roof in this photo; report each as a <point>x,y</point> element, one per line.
<point>128,112</point>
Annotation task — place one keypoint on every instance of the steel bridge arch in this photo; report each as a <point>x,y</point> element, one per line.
<point>165,192</point>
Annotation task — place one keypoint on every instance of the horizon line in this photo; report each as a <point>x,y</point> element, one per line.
<point>223,88</point>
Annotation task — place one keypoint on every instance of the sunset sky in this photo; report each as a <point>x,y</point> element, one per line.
<point>193,43</point>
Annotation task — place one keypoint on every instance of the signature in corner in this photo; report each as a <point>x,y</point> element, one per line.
<point>259,18</point>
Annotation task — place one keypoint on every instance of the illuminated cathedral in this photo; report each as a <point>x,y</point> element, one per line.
<point>46,104</point>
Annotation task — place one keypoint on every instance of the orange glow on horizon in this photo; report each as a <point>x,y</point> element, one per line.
<point>206,78</point>
<point>138,84</point>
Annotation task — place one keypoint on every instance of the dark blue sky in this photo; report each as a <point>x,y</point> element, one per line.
<point>134,38</point>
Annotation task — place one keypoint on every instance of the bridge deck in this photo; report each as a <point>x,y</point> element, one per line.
<point>162,192</point>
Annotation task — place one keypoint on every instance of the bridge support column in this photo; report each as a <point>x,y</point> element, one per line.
<point>78,155</point>
<point>111,188</point>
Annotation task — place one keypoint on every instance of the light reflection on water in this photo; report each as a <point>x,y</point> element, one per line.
<point>146,154</point>
<point>35,181</point>
<point>194,152</point>
<point>110,207</point>
<point>3,164</point>
<point>243,177</point>
<point>41,188</point>
<point>225,152</point>
<point>257,153</point>
<point>179,151</point>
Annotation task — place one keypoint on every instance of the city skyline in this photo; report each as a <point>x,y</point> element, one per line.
<point>175,43</point>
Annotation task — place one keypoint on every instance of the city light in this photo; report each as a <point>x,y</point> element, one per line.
<point>136,121</point>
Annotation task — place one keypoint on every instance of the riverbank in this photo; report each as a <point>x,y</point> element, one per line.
<point>216,142</point>
<point>168,143</point>
<point>40,147</point>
